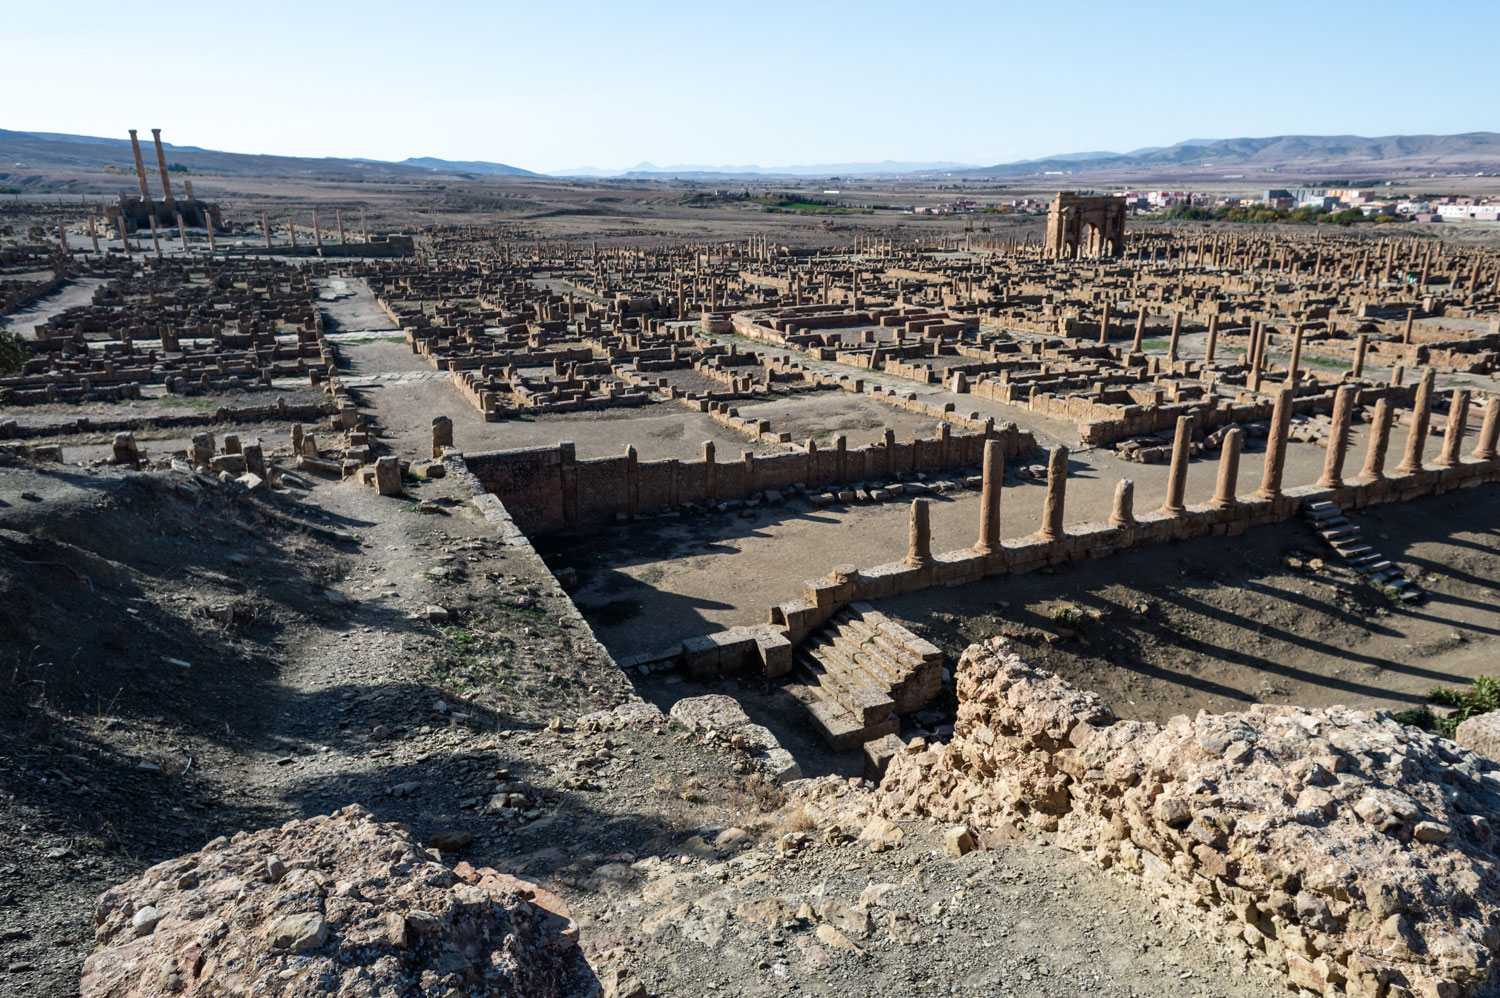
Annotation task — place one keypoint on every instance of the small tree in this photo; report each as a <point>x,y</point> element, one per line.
<point>14,351</point>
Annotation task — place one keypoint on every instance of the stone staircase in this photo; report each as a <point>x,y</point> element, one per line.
<point>1347,540</point>
<point>859,671</point>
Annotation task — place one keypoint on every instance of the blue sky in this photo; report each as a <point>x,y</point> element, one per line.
<point>554,85</point>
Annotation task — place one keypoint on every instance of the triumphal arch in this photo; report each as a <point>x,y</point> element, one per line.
<point>1085,226</point>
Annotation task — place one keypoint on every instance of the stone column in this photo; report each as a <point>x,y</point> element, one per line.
<point>1057,487</point>
<point>989,498</point>
<point>62,235</point>
<point>291,227</point>
<point>710,473</point>
<point>1123,514</point>
<point>1281,423</point>
<point>140,168</point>
<point>1176,336</point>
<point>124,236</point>
<point>265,228</point>
<point>161,162</point>
<point>182,231</point>
<point>338,215</point>
<point>919,538</point>
<point>1140,329</point>
<point>1213,338</point>
<point>1421,419</point>
<point>442,434</point>
<point>364,232</point>
<point>1361,344</point>
<point>1295,363</point>
<point>1380,438</point>
<point>93,234</point>
<point>155,237</point>
<point>1338,437</point>
<point>1485,449</point>
<point>1104,326</point>
<point>632,481</point>
<point>1229,470</point>
<point>1453,436</point>
<point>208,226</point>
<point>317,231</point>
<point>1177,476</point>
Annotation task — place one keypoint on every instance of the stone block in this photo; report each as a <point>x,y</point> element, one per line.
<point>388,476</point>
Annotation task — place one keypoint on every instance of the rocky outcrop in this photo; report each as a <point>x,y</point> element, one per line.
<point>1350,852</point>
<point>335,905</point>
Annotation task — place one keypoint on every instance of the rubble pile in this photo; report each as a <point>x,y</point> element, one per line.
<point>334,905</point>
<point>1350,852</point>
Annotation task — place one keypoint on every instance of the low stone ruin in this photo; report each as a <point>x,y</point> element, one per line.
<point>1350,852</point>
<point>341,905</point>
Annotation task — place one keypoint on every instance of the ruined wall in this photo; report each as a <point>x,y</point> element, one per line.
<point>547,489</point>
<point>1350,852</point>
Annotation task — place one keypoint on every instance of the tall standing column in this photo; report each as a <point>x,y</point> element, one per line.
<point>1229,469</point>
<point>155,239</point>
<point>1281,424</point>
<point>182,231</point>
<point>919,536</point>
<point>93,234</point>
<point>1177,476</point>
<point>1489,431</point>
<point>317,231</point>
<point>1294,365</point>
<point>1140,329</point>
<point>338,214</point>
<point>265,228</point>
<point>1421,420</point>
<point>124,236</point>
<point>364,232</point>
<point>291,227</point>
<point>161,163</point>
<point>989,498</point>
<point>1453,436</point>
<point>1380,438</point>
<point>1176,336</point>
<point>1213,338</point>
<point>1338,437</point>
<point>1252,378</point>
<point>710,473</point>
<point>140,168</point>
<point>1104,326</point>
<point>1123,513</point>
<point>62,235</point>
<point>1057,488</point>
<point>1360,346</point>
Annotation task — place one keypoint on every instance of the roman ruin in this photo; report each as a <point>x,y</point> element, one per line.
<point>523,592</point>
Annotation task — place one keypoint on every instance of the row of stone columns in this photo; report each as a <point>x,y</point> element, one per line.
<point>919,549</point>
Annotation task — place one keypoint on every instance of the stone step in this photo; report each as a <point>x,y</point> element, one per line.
<point>849,685</point>
<point>1374,566</point>
<point>840,729</point>
<point>1332,521</point>
<point>1352,552</point>
<point>1336,533</point>
<point>1320,506</point>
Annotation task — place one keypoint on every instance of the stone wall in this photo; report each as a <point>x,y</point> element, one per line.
<point>1350,852</point>
<point>548,489</point>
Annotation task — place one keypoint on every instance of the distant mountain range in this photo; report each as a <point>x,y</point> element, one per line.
<point>651,170</point>
<point>55,152</point>
<point>1390,153</point>
<point>25,154</point>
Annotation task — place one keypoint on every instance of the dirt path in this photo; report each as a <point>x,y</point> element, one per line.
<point>73,293</point>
